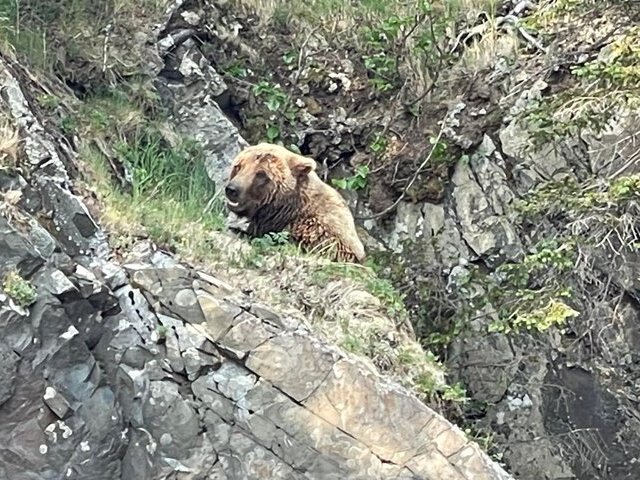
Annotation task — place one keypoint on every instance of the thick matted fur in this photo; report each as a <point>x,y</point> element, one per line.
<point>276,189</point>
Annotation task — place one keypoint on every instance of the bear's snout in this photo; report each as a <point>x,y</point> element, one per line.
<point>232,192</point>
<point>237,200</point>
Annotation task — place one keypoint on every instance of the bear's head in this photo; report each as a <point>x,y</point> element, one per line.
<point>265,174</point>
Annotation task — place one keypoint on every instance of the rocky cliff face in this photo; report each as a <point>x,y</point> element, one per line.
<point>148,368</point>
<point>497,186</point>
<point>513,228</point>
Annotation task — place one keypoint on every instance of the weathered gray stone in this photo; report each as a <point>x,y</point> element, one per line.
<point>195,111</point>
<point>9,361</point>
<point>56,402</point>
<point>272,360</point>
<point>219,315</point>
<point>480,209</point>
<point>340,401</point>
<point>248,333</point>
<point>16,251</point>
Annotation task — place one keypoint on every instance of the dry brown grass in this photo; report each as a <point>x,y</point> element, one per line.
<point>9,144</point>
<point>494,44</point>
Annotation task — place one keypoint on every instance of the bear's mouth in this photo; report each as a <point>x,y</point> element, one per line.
<point>236,208</point>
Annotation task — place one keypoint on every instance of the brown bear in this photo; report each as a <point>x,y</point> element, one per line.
<point>275,189</point>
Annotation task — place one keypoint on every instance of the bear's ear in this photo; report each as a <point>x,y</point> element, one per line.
<point>301,166</point>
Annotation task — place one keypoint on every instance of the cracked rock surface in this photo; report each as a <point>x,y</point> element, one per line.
<point>150,369</point>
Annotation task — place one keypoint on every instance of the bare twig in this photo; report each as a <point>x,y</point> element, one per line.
<point>105,48</point>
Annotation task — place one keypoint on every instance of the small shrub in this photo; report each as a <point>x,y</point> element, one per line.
<point>278,102</point>
<point>455,393</point>
<point>379,144</point>
<point>273,96</point>
<point>19,289</point>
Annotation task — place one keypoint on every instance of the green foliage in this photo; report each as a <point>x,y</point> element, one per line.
<point>160,172</point>
<point>273,96</point>
<point>485,438</point>
<point>568,197</point>
<point>48,102</point>
<point>516,297</point>
<point>270,244</point>
<point>566,114</point>
<point>386,42</point>
<point>416,31</point>
<point>624,188</point>
<point>440,153</point>
<point>425,383</point>
<point>378,144</point>
<point>455,393</point>
<point>20,290</point>
<point>236,69</point>
<point>383,67</point>
<point>554,313</point>
<point>32,42</point>
<point>68,124</point>
<point>278,102</point>
<point>37,31</point>
<point>271,240</point>
<point>620,67</point>
<point>527,294</point>
<point>289,57</point>
<point>604,86</point>
<point>354,344</point>
<point>357,181</point>
<point>170,194</point>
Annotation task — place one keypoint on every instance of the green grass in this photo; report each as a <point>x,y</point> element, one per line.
<point>171,197</point>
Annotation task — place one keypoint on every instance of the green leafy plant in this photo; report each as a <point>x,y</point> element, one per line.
<point>236,69</point>
<point>358,181</point>
<point>378,144</point>
<point>601,88</point>
<point>527,295</point>
<point>554,313</point>
<point>272,133</point>
<point>273,96</point>
<point>271,243</point>
<point>276,100</point>
<point>289,57</point>
<point>353,344</point>
<point>440,154</point>
<point>455,393</point>
<point>568,197</point>
<point>19,289</point>
<point>271,240</point>
<point>383,69</point>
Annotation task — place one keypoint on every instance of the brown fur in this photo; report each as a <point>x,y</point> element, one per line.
<point>276,190</point>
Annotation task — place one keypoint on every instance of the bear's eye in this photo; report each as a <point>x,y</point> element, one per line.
<point>234,171</point>
<point>262,176</point>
